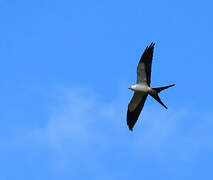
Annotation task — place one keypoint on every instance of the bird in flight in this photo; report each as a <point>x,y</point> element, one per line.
<point>142,88</point>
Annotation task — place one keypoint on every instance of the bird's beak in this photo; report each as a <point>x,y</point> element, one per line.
<point>129,87</point>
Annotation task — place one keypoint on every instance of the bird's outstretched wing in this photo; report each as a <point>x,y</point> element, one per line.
<point>144,66</point>
<point>134,108</point>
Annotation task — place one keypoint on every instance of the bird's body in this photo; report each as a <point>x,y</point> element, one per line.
<point>142,89</point>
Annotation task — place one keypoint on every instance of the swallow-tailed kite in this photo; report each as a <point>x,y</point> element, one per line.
<point>142,88</point>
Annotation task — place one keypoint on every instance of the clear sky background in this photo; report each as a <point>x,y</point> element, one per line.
<point>65,68</point>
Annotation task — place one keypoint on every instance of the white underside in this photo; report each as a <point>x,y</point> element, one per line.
<point>141,88</point>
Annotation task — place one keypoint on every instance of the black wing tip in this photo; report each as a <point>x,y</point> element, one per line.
<point>130,128</point>
<point>131,120</point>
<point>152,45</point>
<point>130,125</point>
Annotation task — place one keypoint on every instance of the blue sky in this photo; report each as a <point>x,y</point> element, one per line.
<point>65,69</point>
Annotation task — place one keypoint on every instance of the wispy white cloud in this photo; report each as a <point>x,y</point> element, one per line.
<point>86,129</point>
<point>84,118</point>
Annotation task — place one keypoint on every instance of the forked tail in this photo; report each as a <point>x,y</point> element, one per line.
<point>159,89</point>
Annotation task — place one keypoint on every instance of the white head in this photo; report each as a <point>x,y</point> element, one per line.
<point>131,88</point>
